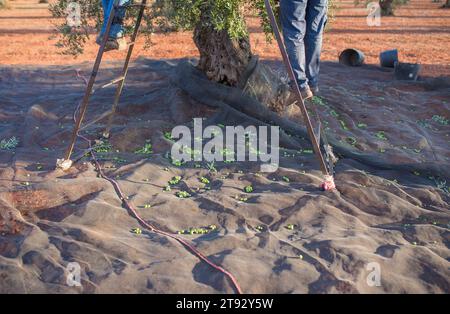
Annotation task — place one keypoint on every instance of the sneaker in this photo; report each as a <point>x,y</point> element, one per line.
<point>116,44</point>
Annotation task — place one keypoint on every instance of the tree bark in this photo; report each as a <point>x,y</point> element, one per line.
<point>222,58</point>
<point>387,7</point>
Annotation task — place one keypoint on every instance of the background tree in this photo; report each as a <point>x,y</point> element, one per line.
<point>387,6</point>
<point>3,4</point>
<point>219,29</point>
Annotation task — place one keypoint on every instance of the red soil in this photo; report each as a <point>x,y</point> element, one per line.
<point>420,30</point>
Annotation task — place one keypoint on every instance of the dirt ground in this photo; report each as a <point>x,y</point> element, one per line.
<point>285,236</point>
<point>420,30</point>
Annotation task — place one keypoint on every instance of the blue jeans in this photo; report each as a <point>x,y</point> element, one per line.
<point>303,22</point>
<point>116,30</point>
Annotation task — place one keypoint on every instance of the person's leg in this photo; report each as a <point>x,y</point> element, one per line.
<point>116,30</point>
<point>106,4</point>
<point>316,18</point>
<point>293,24</point>
<point>117,25</point>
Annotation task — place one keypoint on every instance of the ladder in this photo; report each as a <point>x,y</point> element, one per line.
<point>120,81</point>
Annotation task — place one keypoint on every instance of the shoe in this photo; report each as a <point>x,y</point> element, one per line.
<point>116,44</point>
<point>315,89</point>
<point>99,40</point>
<point>306,93</point>
<point>292,96</point>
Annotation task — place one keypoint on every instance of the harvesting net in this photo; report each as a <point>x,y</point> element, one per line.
<point>259,101</point>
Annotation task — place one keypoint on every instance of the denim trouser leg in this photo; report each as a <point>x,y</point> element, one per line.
<point>116,30</point>
<point>316,18</point>
<point>293,23</point>
<point>303,22</point>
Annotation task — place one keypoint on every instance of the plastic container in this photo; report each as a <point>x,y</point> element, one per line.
<point>407,71</point>
<point>389,58</point>
<point>351,57</point>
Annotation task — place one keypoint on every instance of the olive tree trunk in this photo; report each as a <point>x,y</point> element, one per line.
<point>222,58</point>
<point>387,7</point>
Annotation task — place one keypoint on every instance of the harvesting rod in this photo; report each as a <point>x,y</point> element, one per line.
<point>301,102</point>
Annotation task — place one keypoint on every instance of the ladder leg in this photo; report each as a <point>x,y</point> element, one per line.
<point>90,85</point>
<point>120,84</point>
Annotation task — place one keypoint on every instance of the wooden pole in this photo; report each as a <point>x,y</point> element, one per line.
<point>301,103</point>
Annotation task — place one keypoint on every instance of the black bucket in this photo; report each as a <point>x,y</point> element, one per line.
<point>407,71</point>
<point>388,58</point>
<point>351,57</point>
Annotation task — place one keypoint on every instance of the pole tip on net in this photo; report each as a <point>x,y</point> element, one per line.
<point>64,164</point>
<point>328,184</point>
